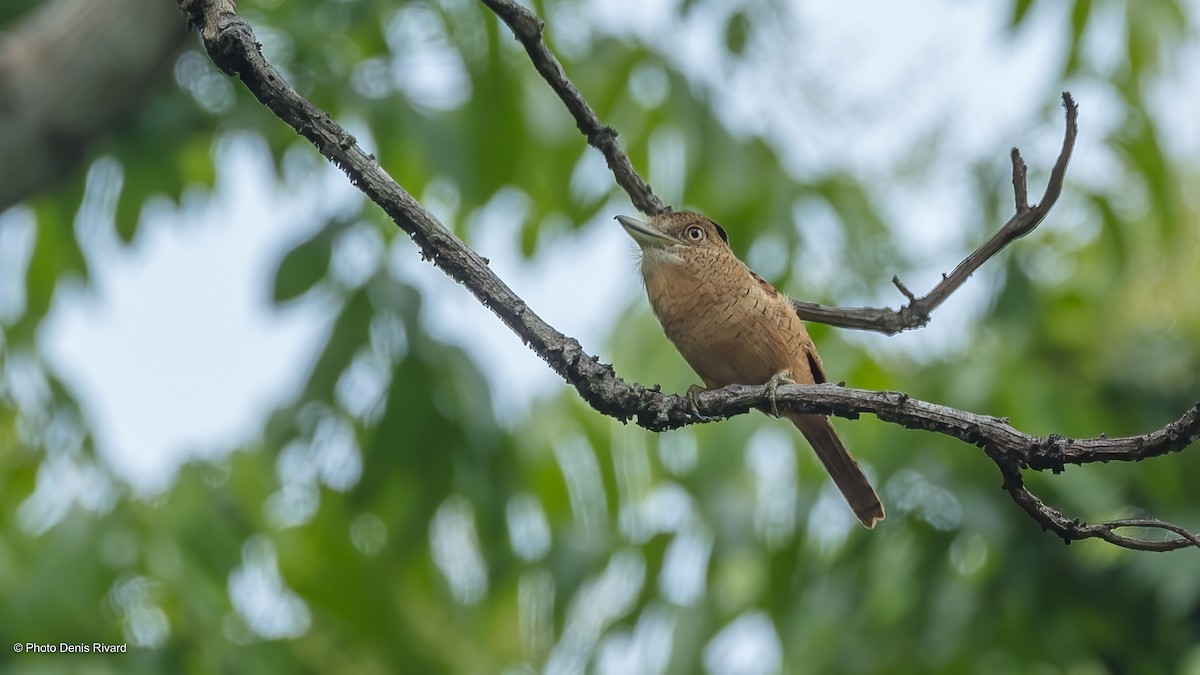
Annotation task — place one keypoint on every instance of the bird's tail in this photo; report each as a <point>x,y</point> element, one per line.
<point>846,473</point>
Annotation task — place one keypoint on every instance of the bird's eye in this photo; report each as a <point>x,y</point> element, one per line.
<point>695,233</point>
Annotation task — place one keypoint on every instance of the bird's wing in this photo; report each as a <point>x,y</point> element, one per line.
<point>814,362</point>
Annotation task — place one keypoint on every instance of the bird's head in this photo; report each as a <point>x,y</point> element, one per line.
<point>669,237</point>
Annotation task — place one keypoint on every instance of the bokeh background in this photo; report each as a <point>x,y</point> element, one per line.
<point>244,428</point>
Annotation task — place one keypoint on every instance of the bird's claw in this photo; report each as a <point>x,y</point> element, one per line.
<point>772,384</point>
<point>692,393</point>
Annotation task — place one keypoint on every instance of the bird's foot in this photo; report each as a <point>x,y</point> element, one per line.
<point>782,377</point>
<point>694,391</point>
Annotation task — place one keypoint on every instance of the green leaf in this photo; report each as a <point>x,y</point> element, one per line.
<point>1020,11</point>
<point>737,33</point>
<point>305,265</point>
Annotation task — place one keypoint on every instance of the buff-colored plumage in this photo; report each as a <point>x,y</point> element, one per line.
<point>732,327</point>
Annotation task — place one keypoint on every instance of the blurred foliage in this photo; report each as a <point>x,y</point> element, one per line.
<point>386,522</point>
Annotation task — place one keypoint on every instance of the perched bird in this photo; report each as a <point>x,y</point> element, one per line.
<point>732,327</point>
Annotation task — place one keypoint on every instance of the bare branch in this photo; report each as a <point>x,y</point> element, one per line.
<point>1049,453</point>
<point>916,313</point>
<point>234,49</point>
<point>527,28</point>
<point>232,46</point>
<point>1074,529</point>
<point>1010,449</point>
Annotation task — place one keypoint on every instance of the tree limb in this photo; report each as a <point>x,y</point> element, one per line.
<point>233,47</point>
<point>1011,450</point>
<point>527,28</point>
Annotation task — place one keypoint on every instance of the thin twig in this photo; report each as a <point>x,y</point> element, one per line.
<point>1075,530</point>
<point>903,289</point>
<point>233,48</point>
<point>527,28</point>
<point>916,313</point>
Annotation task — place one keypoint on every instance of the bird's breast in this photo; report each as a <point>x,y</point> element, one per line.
<point>725,324</point>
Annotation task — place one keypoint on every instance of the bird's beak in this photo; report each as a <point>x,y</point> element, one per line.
<point>644,234</point>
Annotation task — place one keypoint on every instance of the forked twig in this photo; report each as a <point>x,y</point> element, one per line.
<point>916,313</point>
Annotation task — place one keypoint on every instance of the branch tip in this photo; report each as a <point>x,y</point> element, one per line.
<point>903,289</point>
<point>1020,181</point>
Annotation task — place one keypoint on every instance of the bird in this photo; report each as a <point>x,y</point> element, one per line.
<point>733,327</point>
